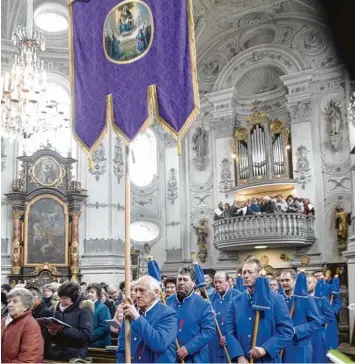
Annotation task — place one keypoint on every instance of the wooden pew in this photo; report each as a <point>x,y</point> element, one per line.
<point>99,355</point>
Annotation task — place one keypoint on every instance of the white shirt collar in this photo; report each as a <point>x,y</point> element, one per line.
<point>154,303</point>
<point>224,295</point>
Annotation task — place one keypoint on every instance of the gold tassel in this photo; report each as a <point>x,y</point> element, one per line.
<point>179,147</point>
<point>91,163</point>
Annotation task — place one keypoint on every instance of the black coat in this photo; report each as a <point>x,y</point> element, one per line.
<point>47,301</point>
<point>111,306</point>
<point>73,342</point>
<point>42,311</point>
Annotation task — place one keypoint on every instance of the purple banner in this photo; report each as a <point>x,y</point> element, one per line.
<point>141,52</point>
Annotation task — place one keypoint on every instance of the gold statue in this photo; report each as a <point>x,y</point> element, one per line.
<point>342,221</point>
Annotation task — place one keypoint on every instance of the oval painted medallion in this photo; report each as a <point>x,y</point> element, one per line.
<point>128,32</point>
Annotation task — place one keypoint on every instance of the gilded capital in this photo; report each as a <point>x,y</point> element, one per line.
<point>75,214</point>
<point>16,214</point>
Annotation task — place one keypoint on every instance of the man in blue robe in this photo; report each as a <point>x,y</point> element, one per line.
<point>220,300</point>
<point>332,334</point>
<point>195,320</point>
<point>275,326</point>
<point>305,318</point>
<point>326,315</point>
<point>153,328</point>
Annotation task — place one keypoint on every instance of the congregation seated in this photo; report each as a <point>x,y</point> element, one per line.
<point>108,302</point>
<point>268,205</point>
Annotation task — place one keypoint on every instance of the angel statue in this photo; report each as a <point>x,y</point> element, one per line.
<point>335,117</point>
<point>201,232</point>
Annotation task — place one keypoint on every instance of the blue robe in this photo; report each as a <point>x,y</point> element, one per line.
<point>152,337</point>
<point>221,307</point>
<point>332,334</point>
<point>275,328</point>
<point>326,316</point>
<point>305,321</point>
<point>195,322</point>
<point>115,54</point>
<point>141,45</point>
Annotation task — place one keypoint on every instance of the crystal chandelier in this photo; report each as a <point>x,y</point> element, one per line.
<point>26,109</point>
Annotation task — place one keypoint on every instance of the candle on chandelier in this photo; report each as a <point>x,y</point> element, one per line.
<point>6,83</point>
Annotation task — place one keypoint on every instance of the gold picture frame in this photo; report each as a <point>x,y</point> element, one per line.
<point>43,231</point>
<point>47,172</point>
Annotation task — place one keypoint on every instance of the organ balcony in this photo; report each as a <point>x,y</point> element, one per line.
<point>274,230</point>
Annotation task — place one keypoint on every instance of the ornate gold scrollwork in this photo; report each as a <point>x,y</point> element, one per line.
<point>241,134</point>
<point>45,266</point>
<point>257,116</point>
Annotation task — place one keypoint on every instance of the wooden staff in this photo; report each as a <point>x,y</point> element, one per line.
<point>255,333</point>
<point>127,254</point>
<point>218,328</point>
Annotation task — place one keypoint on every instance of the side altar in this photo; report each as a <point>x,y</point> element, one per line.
<point>46,206</point>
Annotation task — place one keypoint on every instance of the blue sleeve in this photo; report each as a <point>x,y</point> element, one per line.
<point>313,321</point>
<point>234,347</point>
<point>207,331</point>
<point>83,333</point>
<point>328,314</point>
<point>336,305</point>
<point>283,328</point>
<point>103,327</point>
<point>160,337</point>
<point>120,353</point>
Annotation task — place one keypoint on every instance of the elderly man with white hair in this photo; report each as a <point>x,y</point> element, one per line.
<point>221,301</point>
<point>153,326</point>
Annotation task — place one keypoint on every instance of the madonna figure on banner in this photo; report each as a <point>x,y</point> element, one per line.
<point>126,20</point>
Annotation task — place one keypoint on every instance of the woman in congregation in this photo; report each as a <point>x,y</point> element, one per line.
<point>72,342</point>
<point>108,302</point>
<point>48,291</point>
<point>21,338</point>
<point>101,335</point>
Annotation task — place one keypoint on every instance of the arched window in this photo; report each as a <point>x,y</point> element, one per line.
<point>61,139</point>
<point>144,231</point>
<point>144,163</point>
<point>51,18</point>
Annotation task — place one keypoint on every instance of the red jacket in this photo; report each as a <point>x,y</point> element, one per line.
<point>21,340</point>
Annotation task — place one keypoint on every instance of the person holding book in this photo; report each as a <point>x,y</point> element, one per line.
<point>72,342</point>
<point>101,335</point>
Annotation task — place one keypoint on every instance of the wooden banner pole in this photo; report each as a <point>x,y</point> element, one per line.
<point>127,251</point>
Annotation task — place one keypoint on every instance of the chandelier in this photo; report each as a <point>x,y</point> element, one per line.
<point>26,109</point>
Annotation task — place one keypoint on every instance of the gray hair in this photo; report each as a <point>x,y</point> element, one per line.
<point>25,296</point>
<point>221,275</point>
<point>153,284</point>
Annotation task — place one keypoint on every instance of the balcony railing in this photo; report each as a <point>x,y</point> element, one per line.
<point>277,230</point>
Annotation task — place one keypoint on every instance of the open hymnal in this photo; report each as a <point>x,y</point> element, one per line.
<point>114,323</point>
<point>46,321</point>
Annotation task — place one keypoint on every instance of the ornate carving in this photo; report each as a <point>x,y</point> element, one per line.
<point>201,232</point>
<point>198,13</point>
<point>202,187</point>
<point>200,141</point>
<point>103,246</point>
<point>3,155</point>
<point>302,172</point>
<point>173,255</point>
<point>141,202</point>
<point>201,200</point>
<point>16,214</point>
<point>75,186</point>
<point>211,68</point>
<point>118,163</point>
<point>45,266</point>
<point>226,181</point>
<point>300,111</point>
<point>47,172</point>
<point>99,161</point>
<point>241,134</point>
<point>18,185</point>
<point>312,42</point>
<point>239,3</point>
<point>98,204</point>
<point>253,18</point>
<point>172,188</point>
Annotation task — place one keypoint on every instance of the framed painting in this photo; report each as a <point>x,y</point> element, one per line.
<point>47,172</point>
<point>46,230</point>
